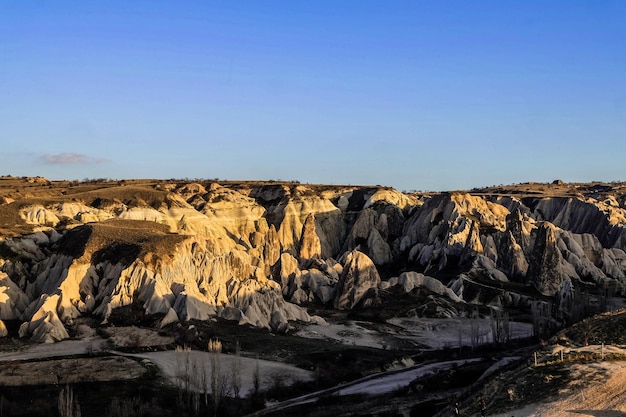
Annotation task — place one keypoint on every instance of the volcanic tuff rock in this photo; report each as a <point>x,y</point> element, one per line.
<point>358,277</point>
<point>260,253</point>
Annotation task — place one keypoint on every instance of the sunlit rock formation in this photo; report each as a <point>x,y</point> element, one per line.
<point>261,253</point>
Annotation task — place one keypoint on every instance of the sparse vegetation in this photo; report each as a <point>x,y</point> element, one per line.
<point>68,405</point>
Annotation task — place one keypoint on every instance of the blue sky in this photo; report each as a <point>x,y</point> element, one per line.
<point>427,95</point>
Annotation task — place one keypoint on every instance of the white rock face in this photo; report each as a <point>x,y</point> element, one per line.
<point>40,216</point>
<point>44,325</point>
<point>448,226</point>
<point>393,197</point>
<point>310,246</point>
<point>170,317</point>
<point>379,249</point>
<point>359,276</point>
<point>13,301</point>
<point>188,282</point>
<point>80,212</point>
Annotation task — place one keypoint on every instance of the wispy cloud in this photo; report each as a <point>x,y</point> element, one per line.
<point>70,158</point>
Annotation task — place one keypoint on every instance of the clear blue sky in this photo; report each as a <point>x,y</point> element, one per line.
<point>428,95</point>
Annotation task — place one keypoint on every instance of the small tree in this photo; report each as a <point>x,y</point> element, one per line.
<point>204,383</point>
<point>183,374</point>
<point>475,329</point>
<point>542,319</point>
<point>500,327</point>
<point>256,378</point>
<point>217,380</point>
<point>236,372</point>
<point>67,403</point>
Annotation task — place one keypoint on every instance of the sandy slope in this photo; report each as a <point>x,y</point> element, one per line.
<point>599,391</point>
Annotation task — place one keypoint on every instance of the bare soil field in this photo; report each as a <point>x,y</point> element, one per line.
<point>69,371</point>
<point>135,337</point>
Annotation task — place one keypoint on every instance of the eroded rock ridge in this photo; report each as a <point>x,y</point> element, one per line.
<point>261,253</point>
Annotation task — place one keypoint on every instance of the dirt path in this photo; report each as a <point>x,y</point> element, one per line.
<point>51,350</point>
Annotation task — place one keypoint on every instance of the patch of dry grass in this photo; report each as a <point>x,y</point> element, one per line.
<point>608,328</point>
<point>119,240</point>
<point>134,337</point>
<point>61,371</point>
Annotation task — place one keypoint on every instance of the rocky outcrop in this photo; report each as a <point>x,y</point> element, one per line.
<point>44,324</point>
<point>409,281</point>
<point>545,271</point>
<point>260,254</point>
<point>359,280</point>
<point>13,301</point>
<point>288,208</point>
<point>602,219</point>
<point>310,246</point>
<point>445,231</point>
<point>3,329</point>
